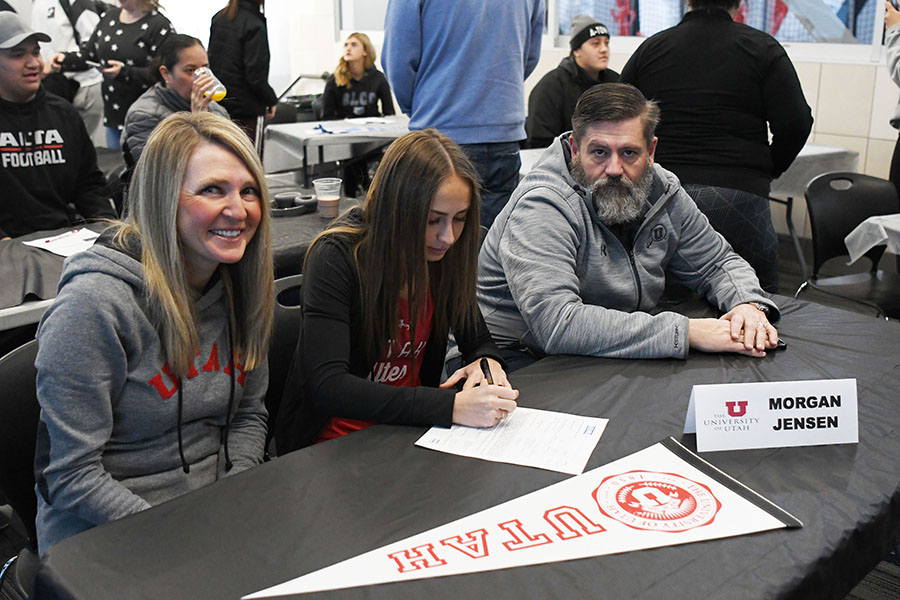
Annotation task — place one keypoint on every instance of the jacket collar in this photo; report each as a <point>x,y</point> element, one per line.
<point>170,98</point>
<point>569,65</point>
<point>707,13</point>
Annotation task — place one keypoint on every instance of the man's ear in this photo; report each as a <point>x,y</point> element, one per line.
<point>653,148</point>
<point>573,145</point>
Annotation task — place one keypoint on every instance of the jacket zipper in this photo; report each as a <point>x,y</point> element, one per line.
<point>637,278</point>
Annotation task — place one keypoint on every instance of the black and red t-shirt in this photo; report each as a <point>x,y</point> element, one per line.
<point>399,364</point>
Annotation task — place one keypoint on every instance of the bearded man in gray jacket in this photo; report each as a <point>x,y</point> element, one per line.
<point>578,259</point>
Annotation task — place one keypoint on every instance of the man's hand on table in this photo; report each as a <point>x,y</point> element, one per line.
<point>745,329</point>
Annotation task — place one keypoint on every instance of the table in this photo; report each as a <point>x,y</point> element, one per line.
<point>287,146</point>
<point>30,276</point>
<point>874,231</point>
<point>292,235</point>
<point>332,501</point>
<point>812,161</point>
<point>528,158</point>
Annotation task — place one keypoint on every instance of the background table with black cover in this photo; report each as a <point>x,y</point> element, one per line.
<point>333,501</point>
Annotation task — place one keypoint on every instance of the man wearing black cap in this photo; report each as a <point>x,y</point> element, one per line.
<point>47,161</point>
<point>552,101</point>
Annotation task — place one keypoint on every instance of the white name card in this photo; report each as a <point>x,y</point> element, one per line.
<point>774,414</point>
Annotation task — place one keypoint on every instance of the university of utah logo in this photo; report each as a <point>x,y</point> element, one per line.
<point>652,501</point>
<point>657,234</point>
<point>736,408</point>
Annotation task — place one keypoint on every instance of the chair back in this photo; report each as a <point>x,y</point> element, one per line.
<point>318,108</point>
<point>19,415</point>
<point>837,203</point>
<point>288,320</point>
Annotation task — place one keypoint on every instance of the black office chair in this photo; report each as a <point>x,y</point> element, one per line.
<point>288,319</point>
<point>837,203</point>
<point>19,414</point>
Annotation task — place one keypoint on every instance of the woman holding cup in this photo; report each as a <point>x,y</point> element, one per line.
<point>183,83</point>
<point>383,286</point>
<point>152,361</point>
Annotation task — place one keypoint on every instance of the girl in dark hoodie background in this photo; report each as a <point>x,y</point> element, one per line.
<point>355,90</point>
<point>356,86</point>
<point>151,368</point>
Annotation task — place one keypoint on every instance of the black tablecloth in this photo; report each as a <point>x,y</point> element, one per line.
<point>28,273</point>
<point>335,500</point>
<point>291,236</point>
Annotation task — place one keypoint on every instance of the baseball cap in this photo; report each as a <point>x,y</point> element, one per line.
<point>14,31</point>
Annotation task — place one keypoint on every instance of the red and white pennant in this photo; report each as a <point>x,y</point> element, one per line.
<point>649,499</point>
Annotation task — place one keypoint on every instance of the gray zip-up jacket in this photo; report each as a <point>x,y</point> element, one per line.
<point>112,431</point>
<point>553,278</point>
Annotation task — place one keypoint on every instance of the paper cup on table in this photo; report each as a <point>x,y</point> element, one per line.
<point>328,194</point>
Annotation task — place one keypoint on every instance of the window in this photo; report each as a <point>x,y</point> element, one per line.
<point>362,15</point>
<point>822,21</point>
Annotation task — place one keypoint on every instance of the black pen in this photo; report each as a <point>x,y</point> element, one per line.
<point>486,369</point>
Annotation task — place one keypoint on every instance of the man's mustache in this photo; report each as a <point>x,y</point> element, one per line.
<point>614,181</point>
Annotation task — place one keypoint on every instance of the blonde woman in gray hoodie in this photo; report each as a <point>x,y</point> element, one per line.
<point>152,361</point>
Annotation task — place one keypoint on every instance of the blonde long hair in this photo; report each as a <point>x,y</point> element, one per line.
<point>151,219</point>
<point>342,71</point>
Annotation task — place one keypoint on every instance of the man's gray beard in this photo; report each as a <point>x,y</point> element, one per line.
<point>617,199</point>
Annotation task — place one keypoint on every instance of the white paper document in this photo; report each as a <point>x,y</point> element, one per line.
<point>68,243</point>
<point>535,438</point>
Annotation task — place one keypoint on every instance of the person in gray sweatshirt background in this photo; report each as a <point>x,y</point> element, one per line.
<point>577,261</point>
<point>152,361</point>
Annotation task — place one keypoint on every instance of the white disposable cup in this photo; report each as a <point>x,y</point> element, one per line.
<point>328,194</point>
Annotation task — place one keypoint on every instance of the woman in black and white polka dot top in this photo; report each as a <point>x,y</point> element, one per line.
<point>122,44</point>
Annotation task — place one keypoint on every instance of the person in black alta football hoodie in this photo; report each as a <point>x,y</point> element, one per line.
<point>48,165</point>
